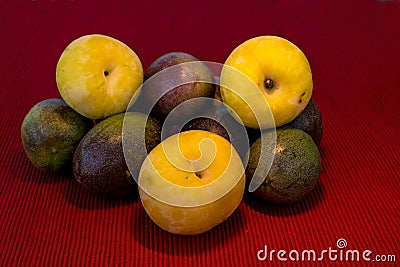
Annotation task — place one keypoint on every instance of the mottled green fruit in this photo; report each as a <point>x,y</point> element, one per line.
<point>194,80</point>
<point>50,133</point>
<point>295,169</point>
<point>99,164</point>
<point>310,121</point>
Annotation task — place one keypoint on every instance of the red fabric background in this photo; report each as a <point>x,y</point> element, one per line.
<point>354,51</point>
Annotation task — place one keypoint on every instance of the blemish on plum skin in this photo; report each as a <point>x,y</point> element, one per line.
<point>300,100</point>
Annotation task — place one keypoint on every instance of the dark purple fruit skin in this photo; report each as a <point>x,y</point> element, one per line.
<point>220,118</point>
<point>217,94</point>
<point>212,125</point>
<point>171,99</point>
<point>310,121</point>
<point>253,134</point>
<point>99,164</point>
<point>206,124</point>
<point>166,61</point>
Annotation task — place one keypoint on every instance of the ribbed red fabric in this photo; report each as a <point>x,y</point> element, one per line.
<point>354,51</point>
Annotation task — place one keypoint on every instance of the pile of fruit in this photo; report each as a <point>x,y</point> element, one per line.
<point>188,140</point>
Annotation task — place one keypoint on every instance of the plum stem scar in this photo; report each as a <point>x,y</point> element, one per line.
<point>269,84</point>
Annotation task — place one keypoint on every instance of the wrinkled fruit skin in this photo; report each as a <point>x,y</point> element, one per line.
<point>50,132</point>
<point>99,164</point>
<point>185,76</point>
<point>310,121</point>
<point>295,170</point>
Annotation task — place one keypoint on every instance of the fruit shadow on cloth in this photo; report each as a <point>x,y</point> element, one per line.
<point>19,166</point>
<point>309,202</point>
<point>149,235</point>
<point>79,197</point>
